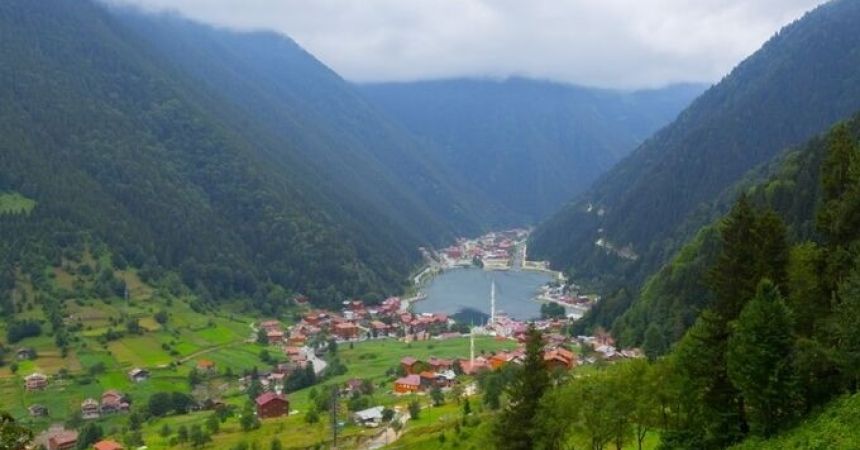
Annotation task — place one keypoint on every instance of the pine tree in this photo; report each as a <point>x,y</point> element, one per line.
<point>734,276</point>
<point>515,425</point>
<point>714,409</point>
<point>847,318</point>
<point>773,249</point>
<point>652,345</point>
<point>759,360</point>
<point>838,218</point>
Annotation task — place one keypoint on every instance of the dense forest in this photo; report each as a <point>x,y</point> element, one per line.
<point>644,204</point>
<point>774,341</point>
<point>529,144</point>
<point>115,144</point>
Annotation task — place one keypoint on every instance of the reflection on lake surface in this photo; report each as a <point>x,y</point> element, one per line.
<point>466,292</point>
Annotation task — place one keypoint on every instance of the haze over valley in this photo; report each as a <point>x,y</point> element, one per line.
<point>429,224</point>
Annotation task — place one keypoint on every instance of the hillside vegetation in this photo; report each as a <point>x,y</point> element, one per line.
<point>774,338</point>
<point>262,185</point>
<point>671,299</point>
<point>531,145</point>
<point>643,204</point>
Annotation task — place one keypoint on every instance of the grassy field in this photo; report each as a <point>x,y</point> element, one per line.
<point>94,364</point>
<point>15,203</point>
<point>171,351</point>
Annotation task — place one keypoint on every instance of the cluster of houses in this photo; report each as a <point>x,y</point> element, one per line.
<point>112,401</point>
<point>357,321</point>
<point>425,375</point>
<point>421,376</point>
<point>604,348</point>
<point>575,304</point>
<point>494,250</point>
<point>62,439</point>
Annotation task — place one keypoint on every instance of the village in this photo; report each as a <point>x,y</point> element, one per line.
<point>299,355</point>
<point>507,250</point>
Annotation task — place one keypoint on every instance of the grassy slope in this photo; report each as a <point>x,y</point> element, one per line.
<point>15,203</point>
<point>188,336</point>
<point>833,427</point>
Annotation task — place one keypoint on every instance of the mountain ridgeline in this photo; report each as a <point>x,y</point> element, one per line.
<point>235,161</point>
<point>640,212</point>
<point>531,145</point>
<point>673,298</point>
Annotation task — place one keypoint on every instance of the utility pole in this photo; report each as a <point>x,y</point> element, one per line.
<point>493,303</point>
<point>472,348</point>
<point>334,416</point>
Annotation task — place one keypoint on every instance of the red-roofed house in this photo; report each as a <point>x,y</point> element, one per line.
<point>274,336</point>
<point>439,364</point>
<point>346,330</point>
<point>559,359</point>
<point>407,384</point>
<point>270,325</point>
<point>480,365</point>
<point>63,440</point>
<point>205,365</point>
<point>500,359</point>
<point>107,445</point>
<point>270,404</point>
<point>408,364</point>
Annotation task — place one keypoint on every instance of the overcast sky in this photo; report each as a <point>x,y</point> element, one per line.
<point>608,43</point>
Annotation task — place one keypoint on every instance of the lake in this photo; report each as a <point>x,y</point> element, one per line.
<point>465,293</point>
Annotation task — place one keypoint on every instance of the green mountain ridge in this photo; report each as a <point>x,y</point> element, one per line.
<point>528,144</point>
<point>120,145</point>
<point>673,297</point>
<point>749,117</point>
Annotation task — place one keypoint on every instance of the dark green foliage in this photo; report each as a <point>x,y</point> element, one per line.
<point>300,379</point>
<point>248,420</point>
<point>414,410</point>
<point>753,247</point>
<point>673,296</point>
<point>21,329</point>
<point>161,317</point>
<point>714,415</point>
<point>847,328</point>
<point>657,198</point>
<point>515,425</point>
<point>529,145</point>
<point>552,311</point>
<point>653,344</point>
<point>437,396</point>
<point>12,435</point>
<point>213,424</point>
<point>164,403</point>
<point>282,180</point>
<point>89,435</point>
<point>198,437</point>
<point>262,337</point>
<point>672,299</point>
<point>760,361</point>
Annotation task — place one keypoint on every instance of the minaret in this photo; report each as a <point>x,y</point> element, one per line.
<point>472,347</point>
<point>493,302</point>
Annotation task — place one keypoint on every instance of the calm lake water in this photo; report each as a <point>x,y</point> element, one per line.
<point>466,292</point>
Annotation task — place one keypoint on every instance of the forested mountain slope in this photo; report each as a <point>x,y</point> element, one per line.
<point>327,126</point>
<point>115,144</point>
<point>771,359</point>
<point>801,81</point>
<point>672,299</point>
<point>530,144</point>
